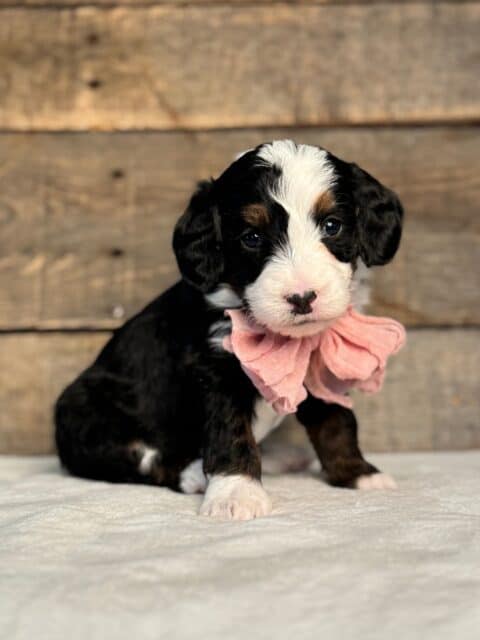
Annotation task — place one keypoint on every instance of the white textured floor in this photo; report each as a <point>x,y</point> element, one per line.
<point>91,561</point>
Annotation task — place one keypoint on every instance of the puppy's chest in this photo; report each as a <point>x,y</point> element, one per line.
<point>265,420</point>
<point>217,332</point>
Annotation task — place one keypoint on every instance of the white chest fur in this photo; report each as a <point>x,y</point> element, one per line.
<point>265,420</point>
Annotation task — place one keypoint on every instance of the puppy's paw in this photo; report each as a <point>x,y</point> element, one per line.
<point>235,498</point>
<point>375,481</point>
<point>192,478</point>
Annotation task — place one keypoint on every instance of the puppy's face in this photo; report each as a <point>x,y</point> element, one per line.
<point>280,232</point>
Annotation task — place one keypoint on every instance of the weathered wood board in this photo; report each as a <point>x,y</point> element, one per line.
<point>35,367</point>
<point>86,219</point>
<point>430,399</point>
<point>181,66</point>
<point>148,3</point>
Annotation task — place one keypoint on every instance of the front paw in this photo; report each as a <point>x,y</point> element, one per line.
<point>235,498</point>
<point>375,481</point>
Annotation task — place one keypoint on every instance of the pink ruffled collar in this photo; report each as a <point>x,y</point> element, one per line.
<point>351,353</point>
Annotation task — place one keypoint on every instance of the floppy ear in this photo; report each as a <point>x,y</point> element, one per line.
<point>379,218</point>
<point>197,241</point>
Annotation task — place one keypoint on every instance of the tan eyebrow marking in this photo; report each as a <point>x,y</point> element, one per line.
<point>256,215</point>
<point>325,203</point>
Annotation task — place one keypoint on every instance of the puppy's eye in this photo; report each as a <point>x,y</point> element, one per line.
<point>251,239</point>
<point>331,227</point>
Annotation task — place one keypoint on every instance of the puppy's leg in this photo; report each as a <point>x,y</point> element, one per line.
<point>333,432</point>
<point>98,439</point>
<point>232,464</point>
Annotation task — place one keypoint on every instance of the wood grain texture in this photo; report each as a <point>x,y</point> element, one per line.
<point>430,399</point>
<point>34,369</point>
<point>86,219</point>
<point>150,3</point>
<point>170,67</point>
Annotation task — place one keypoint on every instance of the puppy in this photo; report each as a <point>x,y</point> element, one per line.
<point>281,233</point>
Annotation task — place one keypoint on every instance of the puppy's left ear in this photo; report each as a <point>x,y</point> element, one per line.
<point>379,218</point>
<point>197,240</point>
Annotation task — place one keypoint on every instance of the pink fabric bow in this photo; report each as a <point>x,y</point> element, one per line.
<point>351,353</point>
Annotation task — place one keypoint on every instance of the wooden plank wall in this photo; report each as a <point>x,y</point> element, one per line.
<point>111,110</point>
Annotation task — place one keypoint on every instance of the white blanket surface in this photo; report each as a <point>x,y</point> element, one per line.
<point>90,560</point>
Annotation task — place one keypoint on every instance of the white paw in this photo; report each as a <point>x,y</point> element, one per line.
<point>192,478</point>
<point>375,481</point>
<point>235,498</point>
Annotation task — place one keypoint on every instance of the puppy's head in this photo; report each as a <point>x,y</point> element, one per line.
<point>281,232</point>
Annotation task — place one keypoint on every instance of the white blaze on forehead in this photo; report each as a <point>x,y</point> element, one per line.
<point>306,173</point>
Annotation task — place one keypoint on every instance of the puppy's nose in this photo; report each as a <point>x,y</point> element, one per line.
<point>301,302</point>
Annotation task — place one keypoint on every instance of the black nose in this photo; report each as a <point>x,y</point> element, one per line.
<point>301,303</point>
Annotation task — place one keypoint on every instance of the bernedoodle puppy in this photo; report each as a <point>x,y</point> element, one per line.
<point>282,236</point>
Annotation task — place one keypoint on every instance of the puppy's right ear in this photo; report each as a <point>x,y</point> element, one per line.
<point>197,241</point>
